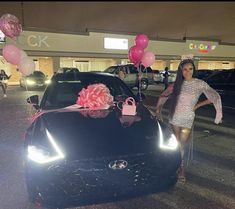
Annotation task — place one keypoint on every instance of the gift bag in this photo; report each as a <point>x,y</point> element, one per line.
<point>129,107</point>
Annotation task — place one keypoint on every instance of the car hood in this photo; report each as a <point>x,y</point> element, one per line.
<point>99,133</point>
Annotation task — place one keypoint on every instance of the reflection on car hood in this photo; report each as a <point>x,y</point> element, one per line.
<point>98,133</point>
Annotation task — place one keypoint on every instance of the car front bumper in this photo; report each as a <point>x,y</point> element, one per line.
<point>77,183</point>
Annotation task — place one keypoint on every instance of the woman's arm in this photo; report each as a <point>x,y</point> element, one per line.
<point>200,104</point>
<point>164,97</point>
<point>215,98</point>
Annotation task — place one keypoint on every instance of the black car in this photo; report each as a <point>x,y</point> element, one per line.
<point>224,83</point>
<point>77,157</point>
<point>203,74</point>
<point>35,80</point>
<point>131,72</point>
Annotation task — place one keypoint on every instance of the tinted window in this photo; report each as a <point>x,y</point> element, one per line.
<point>38,74</point>
<point>232,78</point>
<point>221,77</point>
<point>64,92</point>
<point>133,69</point>
<point>148,70</point>
<point>110,70</point>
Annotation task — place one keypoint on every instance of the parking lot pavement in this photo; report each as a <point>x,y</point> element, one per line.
<point>211,177</point>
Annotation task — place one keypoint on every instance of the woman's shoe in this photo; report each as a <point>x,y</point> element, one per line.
<point>181,173</point>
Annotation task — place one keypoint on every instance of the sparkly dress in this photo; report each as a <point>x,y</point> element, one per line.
<point>188,98</point>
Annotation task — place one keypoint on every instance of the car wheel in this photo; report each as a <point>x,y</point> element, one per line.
<point>144,85</point>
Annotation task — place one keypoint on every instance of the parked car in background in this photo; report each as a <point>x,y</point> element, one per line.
<point>171,78</point>
<point>130,75</point>
<point>66,69</point>
<point>224,83</point>
<point>35,80</point>
<point>157,76</point>
<point>203,74</point>
<point>68,165</point>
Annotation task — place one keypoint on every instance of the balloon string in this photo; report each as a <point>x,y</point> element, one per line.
<point>139,80</point>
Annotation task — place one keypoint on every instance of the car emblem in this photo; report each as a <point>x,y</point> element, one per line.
<point>118,164</point>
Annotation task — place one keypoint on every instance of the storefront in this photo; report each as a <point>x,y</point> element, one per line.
<point>98,51</point>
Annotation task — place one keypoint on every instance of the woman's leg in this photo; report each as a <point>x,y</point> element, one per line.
<point>3,90</point>
<point>184,137</point>
<point>4,86</point>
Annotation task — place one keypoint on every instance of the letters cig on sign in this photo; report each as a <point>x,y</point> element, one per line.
<point>202,48</point>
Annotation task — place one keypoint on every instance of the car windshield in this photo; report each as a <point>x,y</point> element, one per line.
<point>110,70</point>
<point>64,91</point>
<point>37,74</point>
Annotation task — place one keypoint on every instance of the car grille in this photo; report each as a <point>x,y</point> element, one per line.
<point>90,175</point>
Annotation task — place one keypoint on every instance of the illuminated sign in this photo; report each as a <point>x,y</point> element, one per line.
<point>115,43</point>
<point>202,48</point>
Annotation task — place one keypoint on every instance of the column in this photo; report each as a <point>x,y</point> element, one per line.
<point>118,61</point>
<point>196,64</point>
<point>56,64</point>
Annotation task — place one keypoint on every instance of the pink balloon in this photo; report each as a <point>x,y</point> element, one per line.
<point>26,66</point>
<point>148,59</point>
<point>11,53</point>
<point>135,54</point>
<point>10,25</point>
<point>23,54</point>
<point>142,41</point>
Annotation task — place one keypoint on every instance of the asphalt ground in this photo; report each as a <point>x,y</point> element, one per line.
<point>210,174</point>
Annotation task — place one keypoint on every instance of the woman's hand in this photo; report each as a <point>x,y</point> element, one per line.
<point>159,115</point>
<point>195,107</point>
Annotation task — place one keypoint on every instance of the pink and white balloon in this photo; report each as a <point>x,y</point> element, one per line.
<point>142,41</point>
<point>148,59</point>
<point>10,25</point>
<point>23,54</point>
<point>26,66</point>
<point>12,54</point>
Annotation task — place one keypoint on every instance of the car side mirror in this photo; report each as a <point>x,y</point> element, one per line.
<point>33,100</point>
<point>140,96</point>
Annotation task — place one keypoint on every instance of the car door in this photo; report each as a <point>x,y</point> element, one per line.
<point>125,71</point>
<point>133,72</point>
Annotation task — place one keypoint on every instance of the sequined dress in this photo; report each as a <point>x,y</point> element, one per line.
<point>190,92</point>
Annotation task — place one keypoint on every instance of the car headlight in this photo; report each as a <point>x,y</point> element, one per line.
<point>41,156</point>
<point>30,82</point>
<point>169,143</point>
<point>47,81</point>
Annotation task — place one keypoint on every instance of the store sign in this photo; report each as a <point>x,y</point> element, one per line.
<point>115,43</point>
<point>202,48</point>
<point>39,41</point>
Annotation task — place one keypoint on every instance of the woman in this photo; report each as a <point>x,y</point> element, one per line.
<point>184,94</point>
<point>4,80</point>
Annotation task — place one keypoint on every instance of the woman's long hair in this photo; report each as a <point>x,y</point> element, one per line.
<point>178,84</point>
<point>3,71</point>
